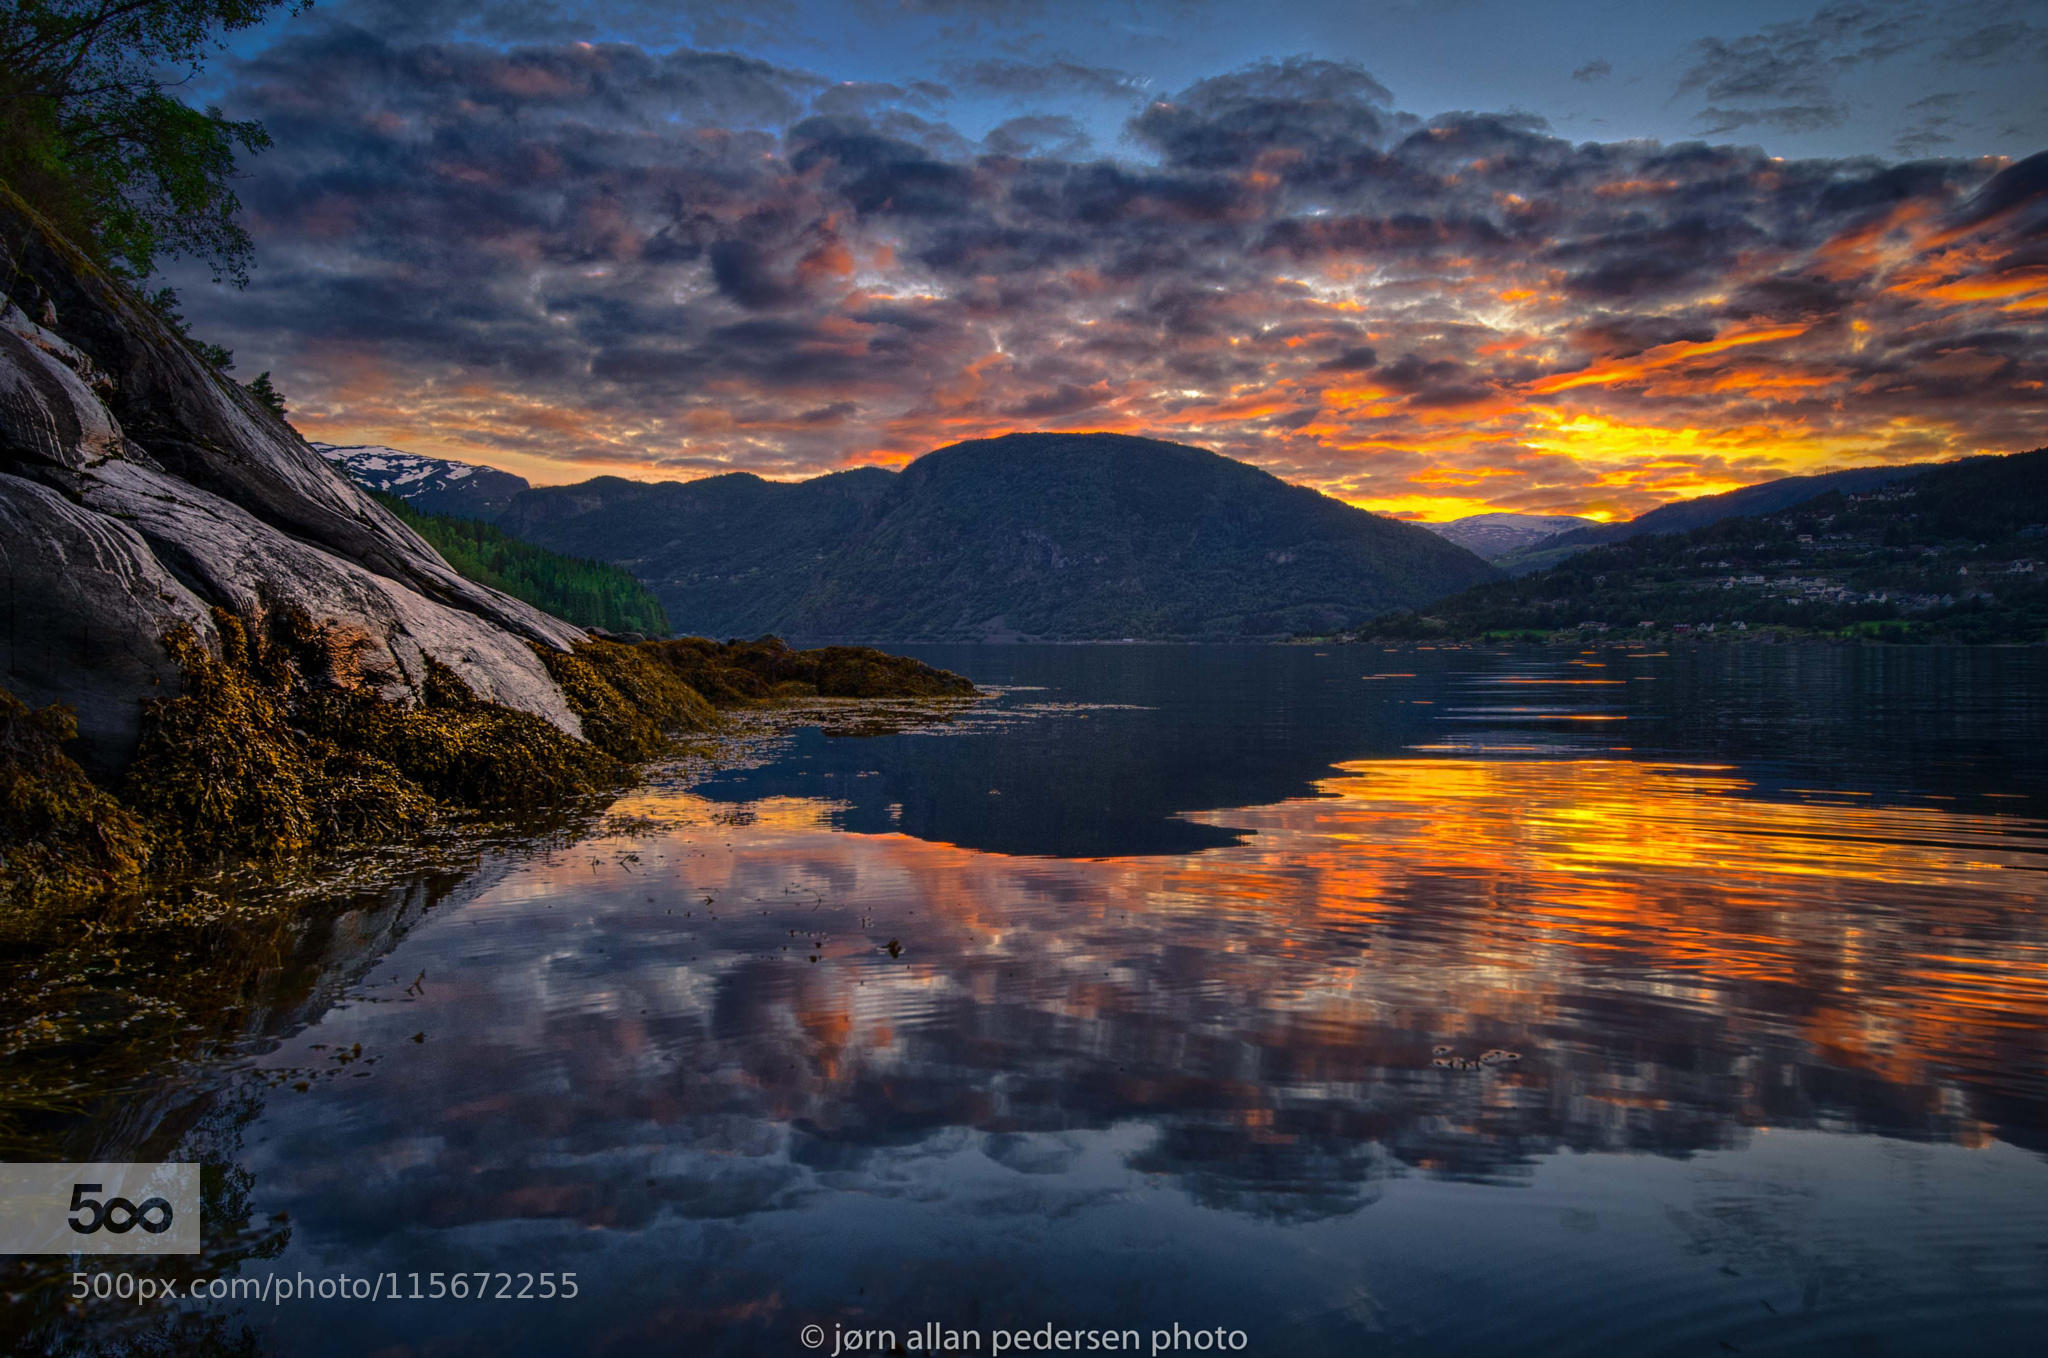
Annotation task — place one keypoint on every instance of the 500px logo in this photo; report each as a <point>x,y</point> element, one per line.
<point>101,1215</point>
<point>100,1208</point>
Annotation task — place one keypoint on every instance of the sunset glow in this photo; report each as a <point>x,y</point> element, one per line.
<point>571,258</point>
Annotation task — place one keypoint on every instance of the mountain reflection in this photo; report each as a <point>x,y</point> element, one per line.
<point>1668,962</point>
<point>1272,987</point>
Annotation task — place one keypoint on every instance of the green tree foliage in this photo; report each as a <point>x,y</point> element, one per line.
<point>268,395</point>
<point>91,137</point>
<point>587,593</point>
<point>164,302</point>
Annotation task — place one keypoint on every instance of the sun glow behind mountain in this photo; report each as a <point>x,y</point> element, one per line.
<point>563,257</point>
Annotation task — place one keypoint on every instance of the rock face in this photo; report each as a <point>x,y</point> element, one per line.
<point>141,489</point>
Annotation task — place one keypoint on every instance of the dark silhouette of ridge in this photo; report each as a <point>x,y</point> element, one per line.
<point>1027,536</point>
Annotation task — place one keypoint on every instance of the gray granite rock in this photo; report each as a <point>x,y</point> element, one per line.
<point>140,488</point>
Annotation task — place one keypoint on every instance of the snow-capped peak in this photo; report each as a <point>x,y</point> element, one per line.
<point>435,485</point>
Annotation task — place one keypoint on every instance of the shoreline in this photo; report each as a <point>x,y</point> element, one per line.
<point>1619,636</point>
<point>271,759</point>
<point>135,984</point>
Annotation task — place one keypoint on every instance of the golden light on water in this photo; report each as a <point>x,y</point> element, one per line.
<point>1451,896</point>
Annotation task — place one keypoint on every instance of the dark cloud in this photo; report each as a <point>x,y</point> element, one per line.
<point>1783,64</point>
<point>1859,188</point>
<point>1621,336</point>
<point>1597,69</point>
<point>1358,358</point>
<point>1992,42</point>
<point>977,9</point>
<point>1433,384</point>
<point>1787,297</point>
<point>2019,190</point>
<point>1935,126</point>
<point>742,271</point>
<point>1780,117</point>
<point>1798,60</point>
<point>1038,135</point>
<point>704,23</point>
<point>1786,76</point>
<point>1646,261</point>
<point>861,98</point>
<point>1324,110</point>
<point>1067,399</point>
<point>1924,138</point>
<point>603,254</point>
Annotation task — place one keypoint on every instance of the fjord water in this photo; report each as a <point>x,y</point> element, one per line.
<point>1473,1002</point>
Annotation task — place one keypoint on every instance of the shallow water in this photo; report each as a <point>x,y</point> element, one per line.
<point>1359,1000</point>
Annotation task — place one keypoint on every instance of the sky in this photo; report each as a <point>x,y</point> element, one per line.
<point>1433,257</point>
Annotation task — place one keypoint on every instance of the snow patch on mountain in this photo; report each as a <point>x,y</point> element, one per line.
<point>432,485</point>
<point>1493,536</point>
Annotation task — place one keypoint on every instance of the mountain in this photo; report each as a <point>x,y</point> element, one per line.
<point>1492,536</point>
<point>1681,516</point>
<point>1028,536</point>
<point>1954,552</point>
<point>431,485</point>
<point>727,556</point>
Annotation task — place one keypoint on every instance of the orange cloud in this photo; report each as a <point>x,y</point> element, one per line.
<point>1662,357</point>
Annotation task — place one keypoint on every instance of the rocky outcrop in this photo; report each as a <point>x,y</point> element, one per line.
<point>140,489</point>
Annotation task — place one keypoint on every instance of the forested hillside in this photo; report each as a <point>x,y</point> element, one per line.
<point>587,593</point>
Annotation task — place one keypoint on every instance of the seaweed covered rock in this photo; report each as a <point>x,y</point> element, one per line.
<point>459,749</point>
<point>217,652</point>
<point>255,760</point>
<point>141,489</point>
<point>629,701</point>
<point>59,832</point>
<point>271,747</point>
<point>755,671</point>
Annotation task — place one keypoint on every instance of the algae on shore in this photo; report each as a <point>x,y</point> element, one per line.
<point>753,671</point>
<point>276,750</point>
<point>58,828</point>
<point>137,924</point>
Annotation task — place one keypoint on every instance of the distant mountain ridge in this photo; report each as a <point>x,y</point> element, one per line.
<point>1955,552</point>
<point>1492,536</point>
<point>737,555</point>
<point>1682,516</point>
<point>1028,536</point>
<point>431,485</point>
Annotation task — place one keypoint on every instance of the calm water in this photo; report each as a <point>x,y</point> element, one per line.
<point>1363,1001</point>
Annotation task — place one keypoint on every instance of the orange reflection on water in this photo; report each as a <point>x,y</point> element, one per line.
<point>1626,925</point>
<point>1648,821</point>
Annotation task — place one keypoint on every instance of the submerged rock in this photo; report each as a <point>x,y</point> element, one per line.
<point>141,489</point>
